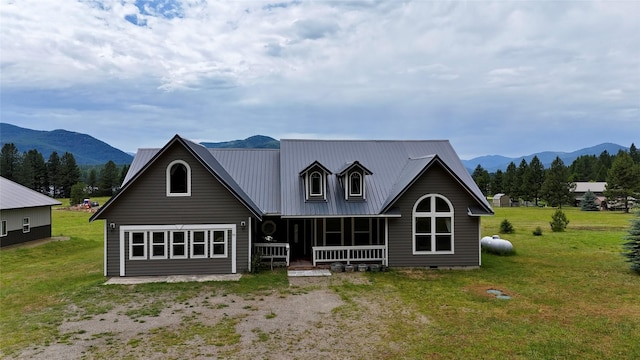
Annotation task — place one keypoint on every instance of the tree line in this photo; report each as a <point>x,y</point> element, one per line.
<point>59,174</point>
<point>532,182</point>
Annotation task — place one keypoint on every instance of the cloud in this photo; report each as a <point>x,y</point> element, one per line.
<point>466,71</point>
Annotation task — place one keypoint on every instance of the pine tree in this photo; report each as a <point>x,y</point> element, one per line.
<point>520,184</point>
<point>109,178</point>
<point>635,154</point>
<point>497,182</point>
<point>53,171</point>
<point>510,181</point>
<point>588,202</point>
<point>69,173</point>
<point>556,189</point>
<point>10,161</point>
<point>533,179</point>
<point>482,178</point>
<point>631,248</point>
<point>623,179</point>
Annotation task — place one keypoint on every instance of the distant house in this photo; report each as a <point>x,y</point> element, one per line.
<point>501,200</point>
<point>186,209</point>
<point>597,188</point>
<point>25,214</point>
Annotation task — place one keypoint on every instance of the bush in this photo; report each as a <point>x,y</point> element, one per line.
<point>631,248</point>
<point>559,221</point>
<point>537,231</point>
<point>506,227</point>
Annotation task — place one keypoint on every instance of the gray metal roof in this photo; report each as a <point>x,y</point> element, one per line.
<point>257,173</point>
<point>16,196</point>
<point>269,181</point>
<point>394,164</point>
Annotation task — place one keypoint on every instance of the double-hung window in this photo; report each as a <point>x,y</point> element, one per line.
<point>138,245</point>
<point>159,245</point>
<point>199,243</point>
<point>3,228</point>
<point>26,225</point>
<point>179,244</point>
<point>219,243</point>
<point>433,225</point>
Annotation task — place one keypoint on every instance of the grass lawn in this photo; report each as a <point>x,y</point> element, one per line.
<point>572,294</point>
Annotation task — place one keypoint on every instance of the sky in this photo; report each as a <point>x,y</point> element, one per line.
<point>507,77</point>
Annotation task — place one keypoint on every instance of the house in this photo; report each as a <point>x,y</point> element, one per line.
<point>596,187</point>
<point>186,209</point>
<point>25,214</point>
<point>501,200</point>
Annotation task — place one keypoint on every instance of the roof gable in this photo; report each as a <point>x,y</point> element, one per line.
<point>149,156</point>
<point>349,166</point>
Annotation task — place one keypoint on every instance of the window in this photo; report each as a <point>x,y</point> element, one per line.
<point>219,243</point>
<point>137,245</point>
<point>362,231</point>
<point>3,228</point>
<point>178,244</point>
<point>355,184</point>
<point>315,184</point>
<point>159,245</point>
<point>26,225</point>
<point>178,179</point>
<point>333,232</point>
<point>199,244</point>
<point>432,225</point>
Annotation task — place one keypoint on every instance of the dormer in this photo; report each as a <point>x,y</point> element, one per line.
<point>315,181</point>
<point>352,176</point>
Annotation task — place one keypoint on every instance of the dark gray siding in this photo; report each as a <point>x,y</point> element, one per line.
<point>466,228</point>
<point>145,203</point>
<point>17,236</point>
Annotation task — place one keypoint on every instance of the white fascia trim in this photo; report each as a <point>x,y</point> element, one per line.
<point>382,216</point>
<point>122,252</point>
<point>233,249</point>
<point>250,240</point>
<point>105,247</point>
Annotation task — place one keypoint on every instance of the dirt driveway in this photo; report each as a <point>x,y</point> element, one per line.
<point>309,321</point>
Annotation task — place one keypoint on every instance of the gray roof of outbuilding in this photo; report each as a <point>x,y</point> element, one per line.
<point>394,164</point>
<point>16,196</point>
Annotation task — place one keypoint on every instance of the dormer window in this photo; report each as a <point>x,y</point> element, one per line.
<point>355,184</point>
<point>352,176</point>
<point>178,179</point>
<point>315,181</point>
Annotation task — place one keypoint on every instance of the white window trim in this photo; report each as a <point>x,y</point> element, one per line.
<point>3,228</point>
<point>225,242</point>
<point>310,192</point>
<point>168,178</point>
<point>193,243</point>
<point>433,215</point>
<point>351,193</point>
<point>185,245</point>
<point>26,222</point>
<point>143,245</point>
<point>164,244</point>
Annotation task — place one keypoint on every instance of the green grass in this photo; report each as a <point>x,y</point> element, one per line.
<point>573,296</point>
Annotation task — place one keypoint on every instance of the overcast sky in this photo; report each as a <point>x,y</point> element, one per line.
<point>508,78</point>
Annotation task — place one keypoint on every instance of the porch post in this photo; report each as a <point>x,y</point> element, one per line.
<point>386,241</point>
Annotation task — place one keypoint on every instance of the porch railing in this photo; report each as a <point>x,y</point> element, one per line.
<point>349,253</point>
<point>271,251</point>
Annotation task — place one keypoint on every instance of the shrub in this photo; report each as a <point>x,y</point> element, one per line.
<point>506,227</point>
<point>631,248</point>
<point>537,231</point>
<point>78,193</point>
<point>588,202</point>
<point>559,221</point>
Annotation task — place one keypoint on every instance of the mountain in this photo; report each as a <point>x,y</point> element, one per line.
<point>491,163</point>
<point>86,149</point>
<point>253,142</point>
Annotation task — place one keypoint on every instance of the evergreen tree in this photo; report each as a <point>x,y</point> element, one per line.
<point>92,180</point>
<point>109,177</point>
<point>34,172</point>
<point>510,181</point>
<point>482,179</point>
<point>533,179</point>
<point>623,180</point>
<point>556,188</point>
<point>123,174</point>
<point>519,183</point>
<point>53,171</point>
<point>10,162</point>
<point>588,202</point>
<point>497,182</point>
<point>585,168</point>
<point>634,153</point>
<point>78,193</point>
<point>69,173</point>
<point>631,248</point>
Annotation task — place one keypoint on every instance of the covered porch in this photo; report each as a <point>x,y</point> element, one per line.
<point>321,241</point>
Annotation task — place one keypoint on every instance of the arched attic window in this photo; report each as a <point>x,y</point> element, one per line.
<point>178,179</point>
<point>355,184</point>
<point>433,225</point>
<point>316,187</point>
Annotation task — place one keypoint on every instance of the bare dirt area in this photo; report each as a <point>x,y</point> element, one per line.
<point>309,320</point>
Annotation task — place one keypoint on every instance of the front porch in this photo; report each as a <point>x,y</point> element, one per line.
<point>280,252</point>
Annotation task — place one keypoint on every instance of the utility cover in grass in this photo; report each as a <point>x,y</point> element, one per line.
<point>499,294</point>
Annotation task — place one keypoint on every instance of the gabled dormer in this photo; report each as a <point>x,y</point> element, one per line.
<point>315,181</point>
<point>352,176</point>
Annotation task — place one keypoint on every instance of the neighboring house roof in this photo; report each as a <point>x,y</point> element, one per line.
<point>498,196</point>
<point>16,196</point>
<point>268,181</point>
<point>584,186</point>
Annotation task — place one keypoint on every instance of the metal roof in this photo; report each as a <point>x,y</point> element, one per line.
<point>394,166</point>
<point>593,186</point>
<point>16,196</point>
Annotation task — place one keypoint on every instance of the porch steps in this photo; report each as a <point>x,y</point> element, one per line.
<point>309,273</point>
